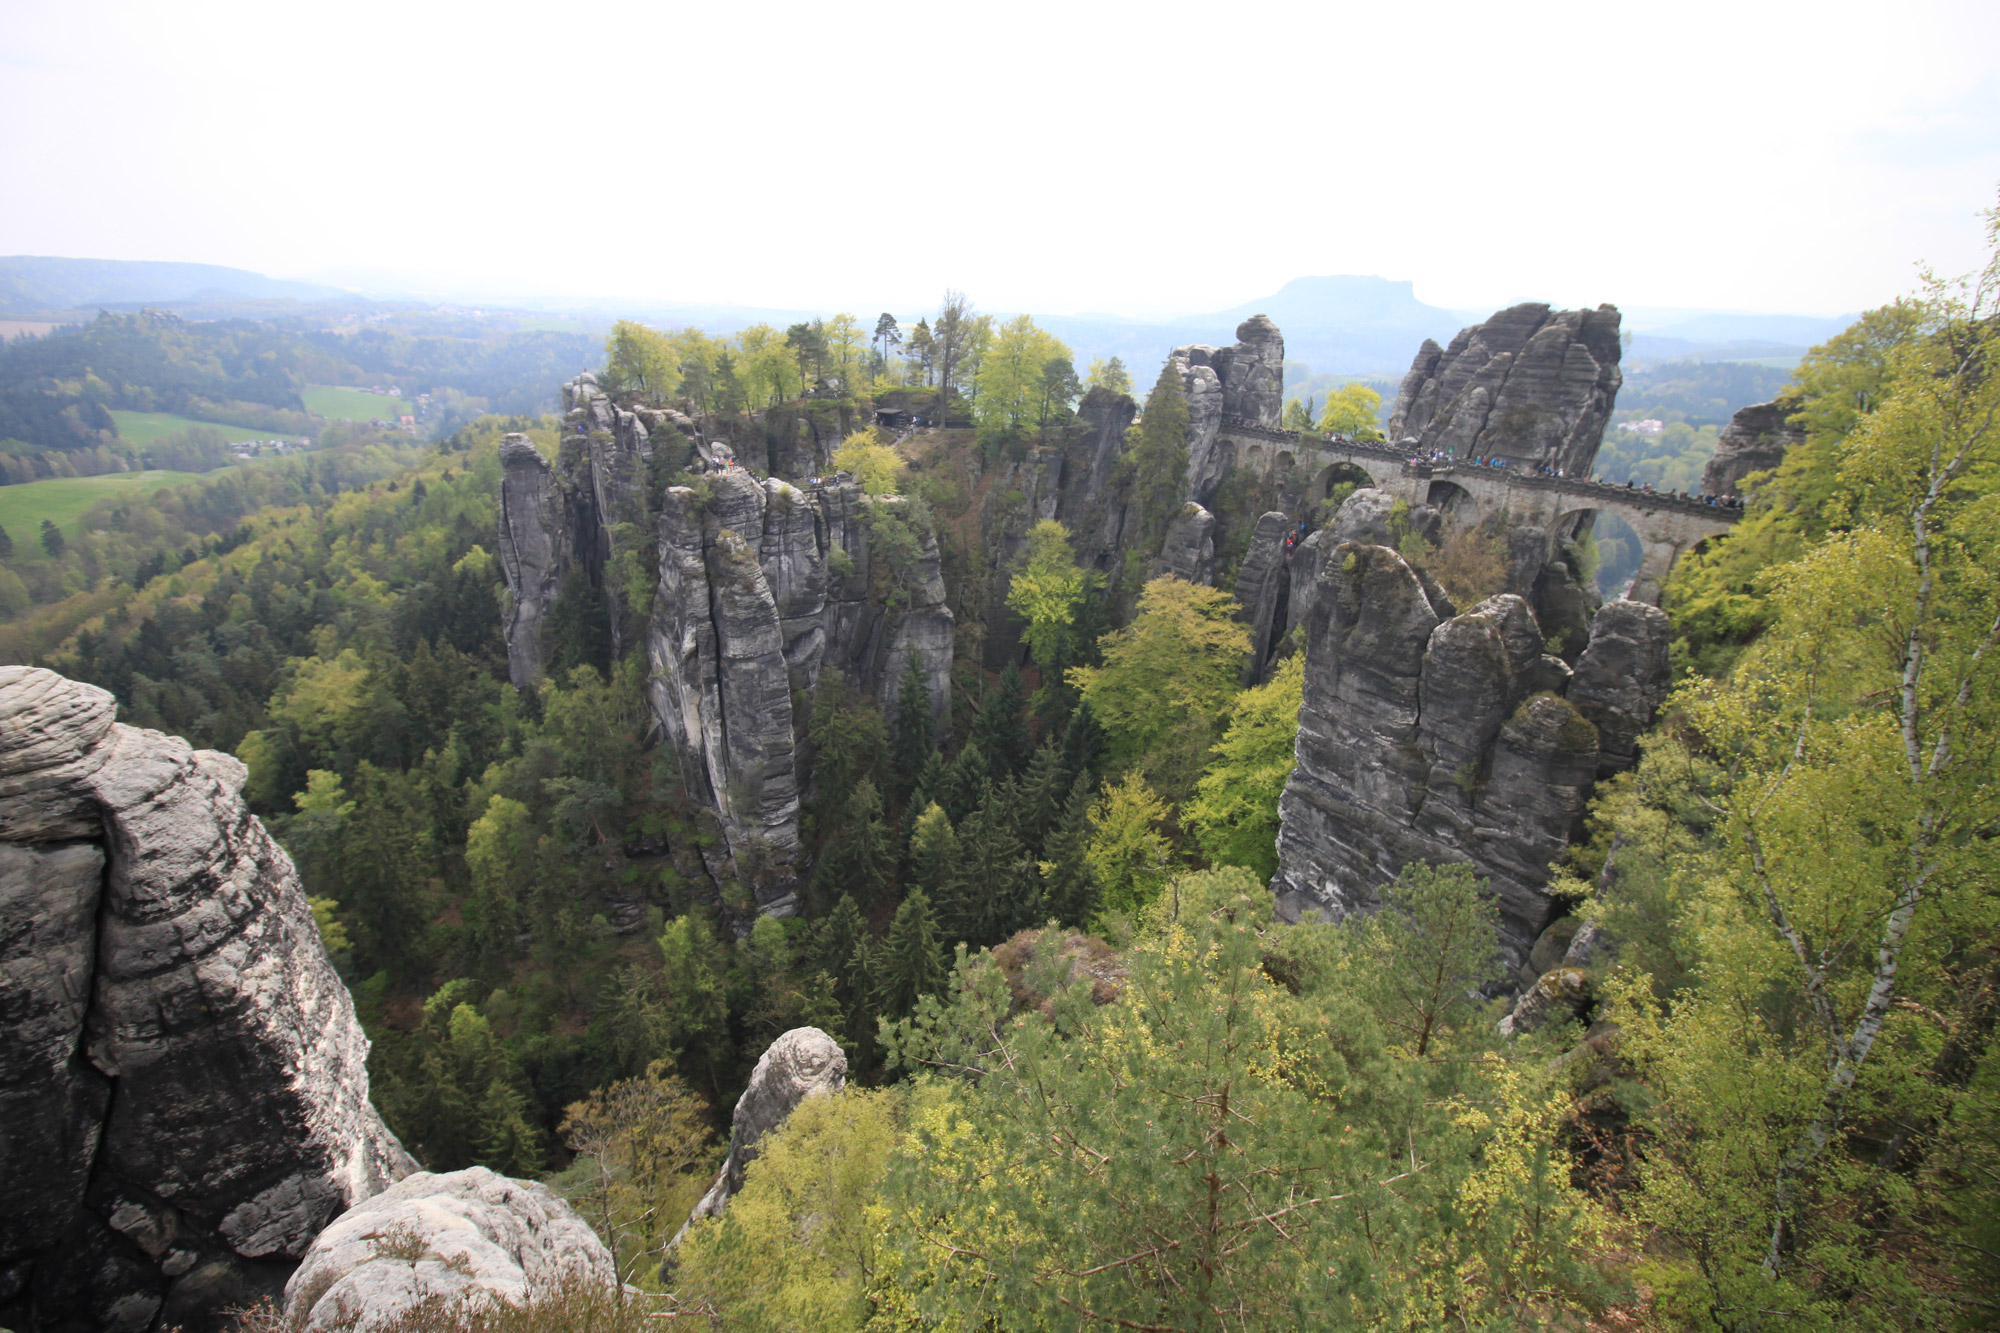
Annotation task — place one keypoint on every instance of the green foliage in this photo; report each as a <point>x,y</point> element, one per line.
<point>1352,410</point>
<point>1109,375</point>
<point>1234,815</point>
<point>1017,388</point>
<point>644,1157</point>
<point>912,962</point>
<point>875,465</point>
<point>1047,592</point>
<point>1212,1150</point>
<point>799,1247</point>
<point>1128,857</point>
<point>1166,681</point>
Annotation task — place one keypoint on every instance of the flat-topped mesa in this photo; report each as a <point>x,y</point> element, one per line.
<point>1434,737</point>
<point>1246,381</point>
<point>1531,385</point>
<point>183,1083</point>
<point>1755,440</point>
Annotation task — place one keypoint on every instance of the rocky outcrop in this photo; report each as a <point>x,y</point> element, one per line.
<point>1253,372</point>
<point>761,586</point>
<point>1755,440</point>
<point>1208,458</point>
<point>535,553</point>
<point>1263,590</point>
<point>1094,515</point>
<point>183,1086</point>
<point>1430,736</point>
<point>1189,549</point>
<point>1246,381</point>
<point>465,1239</point>
<point>1530,384</point>
<point>802,1063</point>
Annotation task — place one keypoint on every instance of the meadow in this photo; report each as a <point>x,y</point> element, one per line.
<point>63,500</point>
<point>140,429</point>
<point>339,404</point>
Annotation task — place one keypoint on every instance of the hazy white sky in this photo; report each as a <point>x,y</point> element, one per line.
<point>1061,157</point>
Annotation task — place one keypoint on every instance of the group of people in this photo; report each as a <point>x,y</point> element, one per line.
<point>1295,536</point>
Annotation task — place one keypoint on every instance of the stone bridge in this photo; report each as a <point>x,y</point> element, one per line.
<point>1466,493</point>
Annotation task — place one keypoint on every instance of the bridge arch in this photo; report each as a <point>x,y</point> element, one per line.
<point>1338,473</point>
<point>1452,500</point>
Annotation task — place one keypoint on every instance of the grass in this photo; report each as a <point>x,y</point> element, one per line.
<point>140,429</point>
<point>338,404</point>
<point>63,500</point>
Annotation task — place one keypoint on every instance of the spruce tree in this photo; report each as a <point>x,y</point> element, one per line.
<point>1069,890</point>
<point>6,545</point>
<point>1001,731</point>
<point>992,891</point>
<point>933,850</point>
<point>1083,743</point>
<point>1042,791</point>
<point>856,856</point>
<point>964,783</point>
<point>1160,457</point>
<point>507,1142</point>
<point>52,539</point>
<point>912,964</point>
<point>916,731</point>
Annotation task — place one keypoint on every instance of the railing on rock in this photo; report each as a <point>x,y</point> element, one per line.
<point>1581,487</point>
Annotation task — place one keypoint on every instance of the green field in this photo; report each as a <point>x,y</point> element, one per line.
<point>63,499</point>
<point>140,429</point>
<point>337,404</point>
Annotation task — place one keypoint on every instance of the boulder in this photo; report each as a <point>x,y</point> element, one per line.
<point>1755,440</point>
<point>802,1063</point>
<point>183,1084</point>
<point>465,1239</point>
<point>1531,384</point>
<point>1364,517</point>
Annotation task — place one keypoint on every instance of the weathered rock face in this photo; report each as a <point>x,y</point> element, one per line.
<point>802,1063</point>
<point>1530,384</point>
<point>1095,517</point>
<point>467,1236</point>
<point>1263,590</point>
<point>183,1087</point>
<point>535,553</point>
<point>1208,458</point>
<point>1253,372</point>
<point>762,585</point>
<point>1755,440</point>
<point>1247,381</point>
<point>1189,549</point>
<point>1428,736</point>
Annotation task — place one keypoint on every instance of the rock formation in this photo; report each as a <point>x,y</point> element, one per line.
<point>1245,381</point>
<point>1529,384</point>
<point>468,1238</point>
<point>1263,590</point>
<point>183,1087</point>
<point>761,585</point>
<point>1189,549</point>
<point>756,586</point>
<point>1428,736</point>
<point>802,1063</point>
<point>1755,440</point>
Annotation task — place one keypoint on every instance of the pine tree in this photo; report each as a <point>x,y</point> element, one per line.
<point>1001,731</point>
<point>916,731</point>
<point>52,539</point>
<point>931,783</point>
<point>6,545</point>
<point>912,965</point>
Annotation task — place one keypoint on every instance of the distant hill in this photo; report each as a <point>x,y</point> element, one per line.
<point>33,284</point>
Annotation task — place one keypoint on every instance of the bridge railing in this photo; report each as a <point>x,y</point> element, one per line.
<point>1581,487</point>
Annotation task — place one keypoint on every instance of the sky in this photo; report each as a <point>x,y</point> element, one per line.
<point>1089,156</point>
